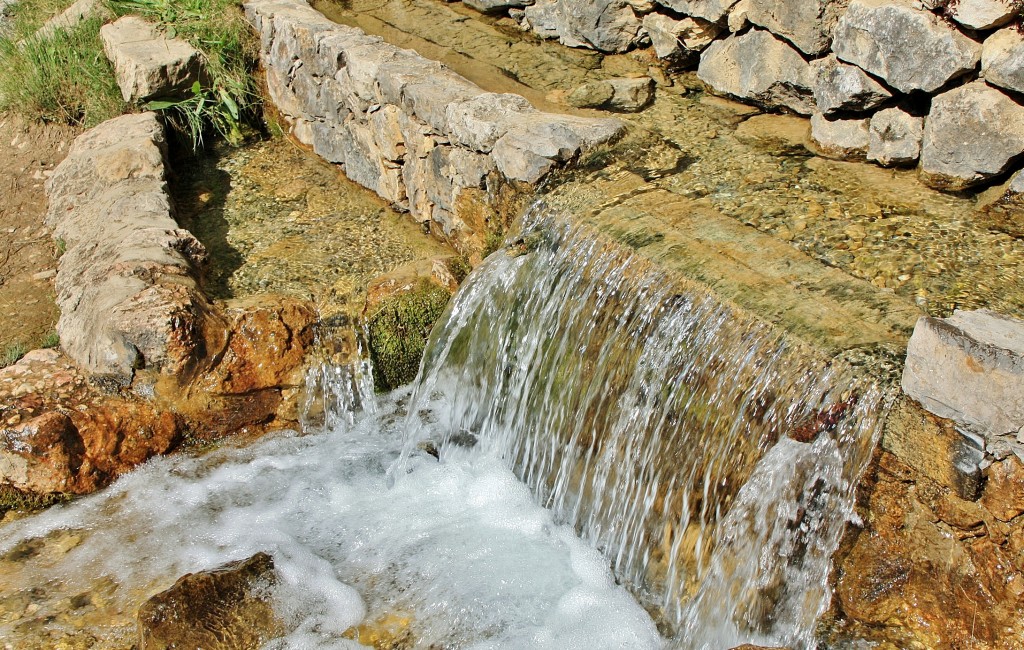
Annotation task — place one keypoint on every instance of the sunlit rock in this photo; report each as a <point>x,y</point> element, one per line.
<point>146,63</point>
<point>895,137</point>
<point>908,47</point>
<point>843,139</point>
<point>807,24</point>
<point>1002,60</point>
<point>983,14</point>
<point>842,87</point>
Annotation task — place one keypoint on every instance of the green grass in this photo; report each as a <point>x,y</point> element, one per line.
<point>64,78</point>
<point>67,78</point>
<point>12,354</point>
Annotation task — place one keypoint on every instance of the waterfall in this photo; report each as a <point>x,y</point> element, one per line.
<point>657,421</point>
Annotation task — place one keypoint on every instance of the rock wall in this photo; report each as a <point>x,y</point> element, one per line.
<point>414,132</point>
<point>897,82</point>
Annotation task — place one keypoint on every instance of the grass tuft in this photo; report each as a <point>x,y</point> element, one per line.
<point>12,354</point>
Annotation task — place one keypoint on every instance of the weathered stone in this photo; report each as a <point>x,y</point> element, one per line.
<point>911,49</point>
<point>146,64</point>
<point>895,137</point>
<point>739,16</point>
<point>1002,60</point>
<point>1004,489</point>
<point>267,341</point>
<point>479,122</point>
<point>669,36</point>
<point>125,284</point>
<point>495,6</point>
<point>227,608</point>
<point>841,87</point>
<point>758,67</point>
<point>532,146</point>
<point>77,13</point>
<point>807,24</point>
<point>42,455</point>
<point>973,133</point>
<point>70,436</point>
<point>1017,183</point>
<point>839,138</point>
<point>545,19</point>
<point>627,95</point>
<point>969,368</point>
<point>712,10</point>
<point>605,25</point>
<point>933,448</point>
<point>983,14</point>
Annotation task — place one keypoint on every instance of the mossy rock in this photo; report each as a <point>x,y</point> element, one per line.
<point>398,333</point>
<point>12,498</point>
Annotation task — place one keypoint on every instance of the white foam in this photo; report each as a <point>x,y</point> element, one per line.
<point>460,546</point>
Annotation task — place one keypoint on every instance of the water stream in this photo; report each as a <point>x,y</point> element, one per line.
<point>610,442</point>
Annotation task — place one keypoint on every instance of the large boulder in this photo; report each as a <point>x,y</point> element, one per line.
<point>983,14</point>
<point>908,47</point>
<point>761,68</point>
<point>841,87</point>
<point>711,10</point>
<point>807,24</point>
<point>969,368</point>
<point>895,137</point>
<point>972,134</point>
<point>1002,60</point>
<point>605,25</point>
<point>146,63</point>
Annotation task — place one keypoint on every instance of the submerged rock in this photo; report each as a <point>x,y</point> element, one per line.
<point>147,64</point>
<point>839,138</point>
<point>227,608</point>
<point>626,95</point>
<point>910,48</point>
<point>972,134</point>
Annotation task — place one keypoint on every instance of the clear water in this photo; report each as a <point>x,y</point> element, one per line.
<point>607,437</point>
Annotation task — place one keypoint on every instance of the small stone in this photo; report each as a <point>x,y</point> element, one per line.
<point>839,138</point>
<point>895,137</point>
<point>147,64</point>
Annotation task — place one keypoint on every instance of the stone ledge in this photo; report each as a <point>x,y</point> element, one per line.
<point>416,133</point>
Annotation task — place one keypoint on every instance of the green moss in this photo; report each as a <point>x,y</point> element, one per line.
<point>399,330</point>
<point>494,241</point>
<point>12,498</point>
<point>459,267</point>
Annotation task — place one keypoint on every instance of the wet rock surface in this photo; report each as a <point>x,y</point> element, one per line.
<point>227,608</point>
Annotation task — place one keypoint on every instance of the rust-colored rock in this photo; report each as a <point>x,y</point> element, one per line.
<point>1004,489</point>
<point>60,433</point>
<point>227,608</point>
<point>929,570</point>
<point>267,340</point>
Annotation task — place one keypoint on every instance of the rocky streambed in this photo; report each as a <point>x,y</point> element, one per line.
<point>279,255</point>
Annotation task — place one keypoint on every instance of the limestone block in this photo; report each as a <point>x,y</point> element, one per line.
<point>972,134</point>
<point>605,25</point>
<point>839,138</point>
<point>146,64</point>
<point>479,122</point>
<point>895,137</point>
<point>969,368</point>
<point>758,67</point>
<point>807,24</point>
<point>983,14</point>
<point>533,145</point>
<point>739,16</point>
<point>908,47</point>
<point>842,87</point>
<point>711,10</point>
<point>669,36</point>
<point>1002,59</point>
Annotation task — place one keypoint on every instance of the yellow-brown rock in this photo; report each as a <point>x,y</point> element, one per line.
<point>1004,489</point>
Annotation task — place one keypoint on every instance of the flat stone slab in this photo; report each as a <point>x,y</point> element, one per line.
<point>969,368</point>
<point>148,65</point>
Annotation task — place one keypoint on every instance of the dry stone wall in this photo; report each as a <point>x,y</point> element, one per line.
<point>839,60</point>
<point>410,129</point>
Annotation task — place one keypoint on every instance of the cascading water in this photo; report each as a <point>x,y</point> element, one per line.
<point>645,417</point>
<point>657,423</point>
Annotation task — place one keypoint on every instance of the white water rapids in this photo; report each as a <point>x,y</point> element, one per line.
<point>596,432</point>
